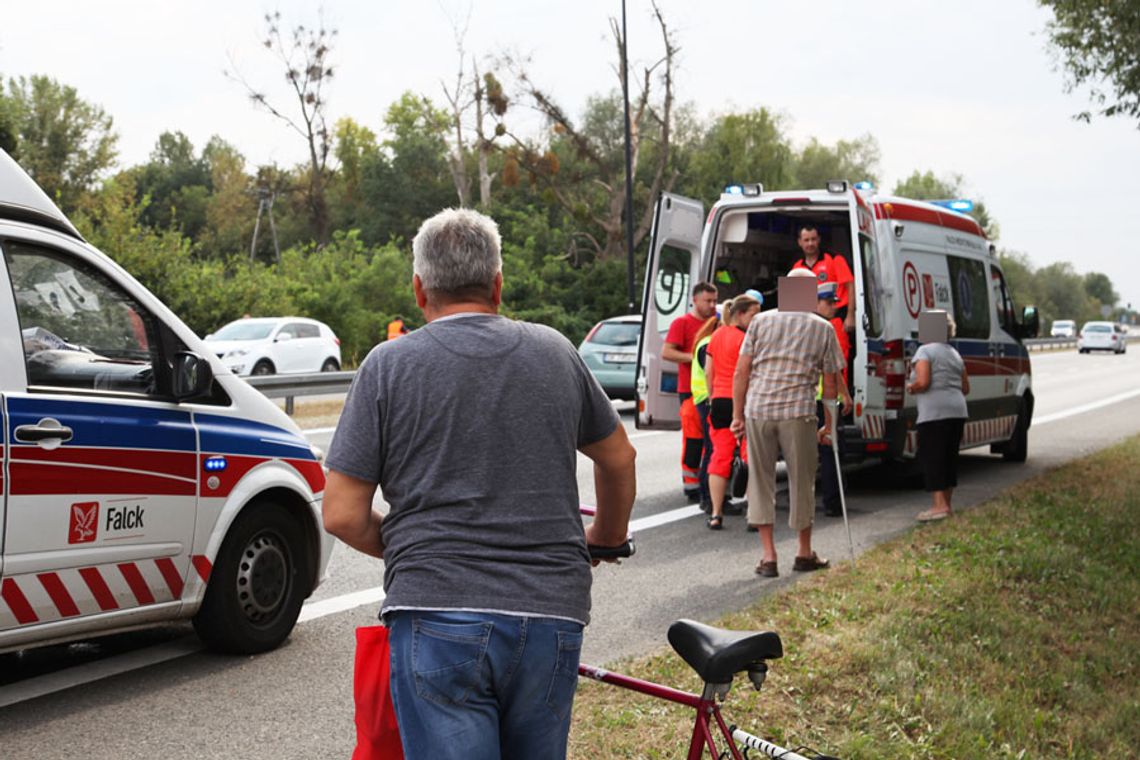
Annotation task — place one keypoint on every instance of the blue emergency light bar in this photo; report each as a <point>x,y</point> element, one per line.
<point>960,205</point>
<point>214,464</point>
<point>864,185</point>
<point>753,189</point>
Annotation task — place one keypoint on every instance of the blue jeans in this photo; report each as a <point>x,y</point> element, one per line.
<point>480,686</point>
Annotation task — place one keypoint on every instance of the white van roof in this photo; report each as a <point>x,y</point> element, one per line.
<point>22,200</point>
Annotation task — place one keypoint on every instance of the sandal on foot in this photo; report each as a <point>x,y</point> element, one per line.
<point>931,516</point>
<point>807,564</point>
<point>715,522</point>
<point>767,569</point>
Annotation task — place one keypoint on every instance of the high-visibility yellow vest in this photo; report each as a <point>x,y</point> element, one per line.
<point>699,383</point>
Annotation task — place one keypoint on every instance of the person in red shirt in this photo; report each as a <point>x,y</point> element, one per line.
<point>724,351</point>
<point>679,342</point>
<point>829,268</point>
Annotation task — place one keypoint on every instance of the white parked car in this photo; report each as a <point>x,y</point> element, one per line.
<point>1101,336</point>
<point>273,345</point>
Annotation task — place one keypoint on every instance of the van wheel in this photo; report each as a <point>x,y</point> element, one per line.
<point>257,584</point>
<point>1017,448</point>
<point>263,367</point>
<point>330,365</point>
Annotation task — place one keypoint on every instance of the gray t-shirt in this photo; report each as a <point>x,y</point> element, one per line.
<point>943,400</point>
<point>470,425</point>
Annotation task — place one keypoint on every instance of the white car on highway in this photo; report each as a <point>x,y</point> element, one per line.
<point>275,345</point>
<point>1101,336</point>
<point>1063,328</point>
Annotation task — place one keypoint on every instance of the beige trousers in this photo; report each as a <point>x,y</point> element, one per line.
<point>795,439</point>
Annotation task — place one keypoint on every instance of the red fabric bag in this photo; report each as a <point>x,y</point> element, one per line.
<point>377,734</point>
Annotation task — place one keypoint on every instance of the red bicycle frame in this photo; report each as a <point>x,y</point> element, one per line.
<point>705,707</point>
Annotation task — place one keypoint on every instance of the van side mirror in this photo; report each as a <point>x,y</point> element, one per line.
<point>1030,322</point>
<point>192,376</point>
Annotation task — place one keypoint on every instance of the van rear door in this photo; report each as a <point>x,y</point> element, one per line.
<point>674,264</point>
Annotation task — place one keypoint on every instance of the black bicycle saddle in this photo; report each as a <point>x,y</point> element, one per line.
<point>718,654</point>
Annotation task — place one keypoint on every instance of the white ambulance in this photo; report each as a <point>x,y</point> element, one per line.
<point>906,256</point>
<point>141,481</point>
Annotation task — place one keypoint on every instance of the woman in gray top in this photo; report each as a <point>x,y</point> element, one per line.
<point>940,384</point>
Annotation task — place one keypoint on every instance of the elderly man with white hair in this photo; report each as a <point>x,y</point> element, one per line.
<point>471,426</point>
<point>773,393</point>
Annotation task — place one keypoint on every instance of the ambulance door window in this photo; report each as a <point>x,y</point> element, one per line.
<point>969,284</point>
<point>872,287</point>
<point>1003,302</point>
<point>80,330</point>
<point>671,290</point>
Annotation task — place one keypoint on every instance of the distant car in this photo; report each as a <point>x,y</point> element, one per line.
<point>1063,328</point>
<point>1101,336</point>
<point>610,351</point>
<point>274,345</point>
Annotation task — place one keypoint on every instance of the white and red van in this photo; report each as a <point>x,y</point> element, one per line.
<point>907,256</point>
<point>140,480</point>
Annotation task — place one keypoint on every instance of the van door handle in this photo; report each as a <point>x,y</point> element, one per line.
<point>46,429</point>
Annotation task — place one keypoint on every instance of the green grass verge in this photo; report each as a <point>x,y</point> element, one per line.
<point>1010,631</point>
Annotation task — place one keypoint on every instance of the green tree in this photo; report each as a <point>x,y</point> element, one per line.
<point>855,160</point>
<point>1099,286</point>
<point>1096,43</point>
<point>176,183</point>
<point>740,147</point>
<point>63,141</point>
<point>927,187</point>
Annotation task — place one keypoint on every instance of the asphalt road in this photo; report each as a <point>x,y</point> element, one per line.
<point>157,694</point>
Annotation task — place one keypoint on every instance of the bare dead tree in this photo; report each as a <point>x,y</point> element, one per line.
<point>484,95</point>
<point>607,174</point>
<point>305,53</point>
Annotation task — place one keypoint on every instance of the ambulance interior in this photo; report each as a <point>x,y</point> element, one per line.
<point>753,249</point>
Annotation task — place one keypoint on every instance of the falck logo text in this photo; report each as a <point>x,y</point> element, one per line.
<point>84,522</point>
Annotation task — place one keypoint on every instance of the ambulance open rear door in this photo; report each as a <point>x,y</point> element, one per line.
<point>673,267</point>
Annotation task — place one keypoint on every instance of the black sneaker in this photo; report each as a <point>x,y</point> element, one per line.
<point>693,495</point>
<point>706,506</point>
<point>734,507</point>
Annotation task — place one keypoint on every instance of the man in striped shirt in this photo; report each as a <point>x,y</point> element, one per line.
<point>774,389</point>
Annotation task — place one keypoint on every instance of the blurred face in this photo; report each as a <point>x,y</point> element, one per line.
<point>825,307</point>
<point>704,304</point>
<point>809,243</point>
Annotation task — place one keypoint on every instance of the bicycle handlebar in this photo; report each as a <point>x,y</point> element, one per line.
<point>621,551</point>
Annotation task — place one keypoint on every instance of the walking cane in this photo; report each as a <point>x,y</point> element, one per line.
<point>832,407</point>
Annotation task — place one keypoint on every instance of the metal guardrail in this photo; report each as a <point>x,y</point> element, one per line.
<point>289,387</point>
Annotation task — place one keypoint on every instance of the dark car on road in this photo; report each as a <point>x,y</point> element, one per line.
<point>610,351</point>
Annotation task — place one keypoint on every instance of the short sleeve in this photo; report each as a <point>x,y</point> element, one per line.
<point>356,445</point>
<point>751,339</point>
<point>599,419</point>
<point>841,271</point>
<point>676,334</point>
<point>833,357</point>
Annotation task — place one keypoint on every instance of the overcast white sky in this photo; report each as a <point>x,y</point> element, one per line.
<point>963,87</point>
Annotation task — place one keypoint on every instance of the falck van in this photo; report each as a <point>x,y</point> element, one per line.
<point>906,256</point>
<point>141,481</point>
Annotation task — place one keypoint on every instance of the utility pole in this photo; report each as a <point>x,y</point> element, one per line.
<point>628,164</point>
<point>265,200</point>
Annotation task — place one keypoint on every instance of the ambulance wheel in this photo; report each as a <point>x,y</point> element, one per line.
<point>257,584</point>
<point>263,367</point>
<point>1016,449</point>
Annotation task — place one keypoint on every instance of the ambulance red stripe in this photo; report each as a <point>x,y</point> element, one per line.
<point>171,575</point>
<point>179,464</point>
<point>43,479</point>
<point>17,602</point>
<point>99,589</point>
<point>137,583</point>
<point>203,566</point>
<point>59,594</point>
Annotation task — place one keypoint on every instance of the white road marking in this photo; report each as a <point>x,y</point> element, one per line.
<point>342,603</point>
<point>318,431</point>
<point>1086,407</point>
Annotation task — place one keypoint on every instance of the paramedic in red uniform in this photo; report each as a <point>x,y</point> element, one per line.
<point>829,268</point>
<point>679,342</point>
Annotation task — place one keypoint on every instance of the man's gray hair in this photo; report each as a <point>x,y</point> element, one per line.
<point>457,249</point>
